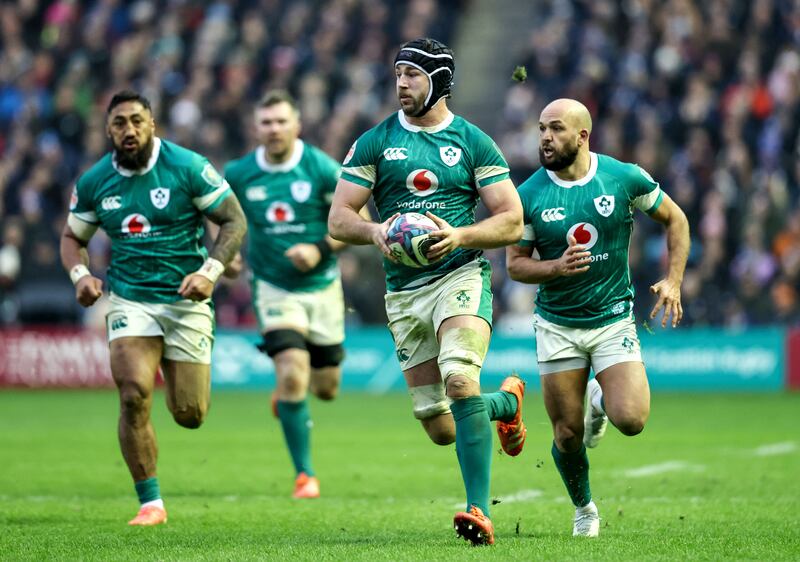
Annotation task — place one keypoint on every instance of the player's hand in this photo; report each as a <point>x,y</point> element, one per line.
<point>574,260</point>
<point>304,257</point>
<point>669,298</point>
<point>88,289</point>
<point>379,231</point>
<point>234,268</point>
<point>449,238</point>
<point>196,287</point>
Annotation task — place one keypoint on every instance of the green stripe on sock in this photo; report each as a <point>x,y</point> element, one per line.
<point>474,449</point>
<point>147,490</point>
<point>574,470</point>
<point>296,424</point>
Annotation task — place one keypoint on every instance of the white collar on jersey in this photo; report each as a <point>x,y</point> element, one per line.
<point>150,163</point>
<point>434,129</point>
<point>294,159</point>
<point>583,181</point>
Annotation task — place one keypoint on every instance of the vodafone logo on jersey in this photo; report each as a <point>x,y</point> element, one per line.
<point>584,233</point>
<point>280,212</point>
<point>136,224</point>
<point>422,182</point>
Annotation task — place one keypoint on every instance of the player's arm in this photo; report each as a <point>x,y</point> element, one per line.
<point>75,259</point>
<point>348,224</point>
<point>232,224</point>
<point>668,290</point>
<point>502,227</point>
<point>525,268</point>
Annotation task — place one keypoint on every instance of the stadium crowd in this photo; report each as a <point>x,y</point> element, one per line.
<point>703,95</point>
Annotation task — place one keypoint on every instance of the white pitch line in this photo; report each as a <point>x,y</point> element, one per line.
<point>661,468</point>
<point>521,496</point>
<point>776,449</point>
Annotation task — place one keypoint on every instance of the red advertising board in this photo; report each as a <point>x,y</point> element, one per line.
<point>793,359</point>
<point>54,358</point>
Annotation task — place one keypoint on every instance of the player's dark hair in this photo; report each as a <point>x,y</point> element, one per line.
<point>128,95</point>
<point>436,60</point>
<point>274,97</point>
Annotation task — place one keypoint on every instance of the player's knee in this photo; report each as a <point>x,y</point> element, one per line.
<point>461,354</point>
<point>568,437</point>
<point>190,416</point>
<point>442,436</point>
<point>460,386</point>
<point>440,428</point>
<point>326,389</point>
<point>292,384</point>
<point>134,401</point>
<point>631,425</point>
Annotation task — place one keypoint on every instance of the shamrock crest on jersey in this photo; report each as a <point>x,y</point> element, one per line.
<point>438,169</point>
<point>286,204</point>
<point>555,210</point>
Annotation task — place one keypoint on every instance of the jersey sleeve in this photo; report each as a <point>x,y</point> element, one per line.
<point>490,165</point>
<point>645,193</point>
<point>208,187</point>
<point>362,160</point>
<point>528,233</point>
<point>82,218</point>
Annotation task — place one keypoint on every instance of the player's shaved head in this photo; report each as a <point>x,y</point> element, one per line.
<point>571,112</point>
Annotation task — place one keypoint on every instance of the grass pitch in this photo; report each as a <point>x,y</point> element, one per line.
<point>713,477</point>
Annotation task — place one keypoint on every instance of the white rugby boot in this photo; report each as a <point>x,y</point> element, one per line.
<point>595,420</point>
<point>587,521</point>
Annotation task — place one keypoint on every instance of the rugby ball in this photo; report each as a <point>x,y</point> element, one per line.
<point>409,239</point>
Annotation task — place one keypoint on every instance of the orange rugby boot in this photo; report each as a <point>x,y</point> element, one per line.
<point>474,527</point>
<point>305,487</point>
<point>149,515</point>
<point>512,434</point>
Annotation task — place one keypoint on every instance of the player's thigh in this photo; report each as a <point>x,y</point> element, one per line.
<point>134,364</point>
<point>411,325</point>
<point>325,310</point>
<point>188,390</point>
<point>563,393</point>
<point>279,309</point>
<point>559,348</point>
<point>626,395</point>
<point>135,340</point>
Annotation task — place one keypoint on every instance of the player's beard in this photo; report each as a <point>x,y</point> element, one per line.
<point>134,160</point>
<point>561,158</point>
<point>416,108</point>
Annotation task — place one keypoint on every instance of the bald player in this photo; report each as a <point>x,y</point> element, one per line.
<point>578,214</point>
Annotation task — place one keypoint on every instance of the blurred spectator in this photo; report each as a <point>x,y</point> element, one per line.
<point>704,95</point>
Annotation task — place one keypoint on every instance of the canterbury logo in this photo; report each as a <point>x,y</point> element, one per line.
<point>554,214</point>
<point>395,153</point>
<point>111,203</point>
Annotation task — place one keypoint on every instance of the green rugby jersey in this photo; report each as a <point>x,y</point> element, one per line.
<point>154,218</point>
<point>438,169</point>
<point>598,211</point>
<point>286,204</point>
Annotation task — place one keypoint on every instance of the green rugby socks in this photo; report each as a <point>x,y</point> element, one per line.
<point>500,405</point>
<point>296,423</point>
<point>574,470</point>
<point>474,449</point>
<point>147,490</point>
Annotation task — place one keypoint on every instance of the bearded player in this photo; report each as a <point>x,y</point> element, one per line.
<point>424,158</point>
<point>150,196</point>
<point>579,217</point>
